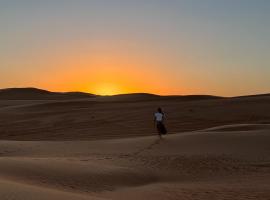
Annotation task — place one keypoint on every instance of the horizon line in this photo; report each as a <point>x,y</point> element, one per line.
<point>30,87</point>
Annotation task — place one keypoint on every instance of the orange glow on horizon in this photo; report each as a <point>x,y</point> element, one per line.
<point>106,89</point>
<point>105,74</point>
<point>104,68</point>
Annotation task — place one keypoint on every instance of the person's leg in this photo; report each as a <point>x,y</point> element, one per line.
<point>164,130</point>
<point>159,130</point>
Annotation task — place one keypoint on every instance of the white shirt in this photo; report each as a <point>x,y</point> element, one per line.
<point>159,117</point>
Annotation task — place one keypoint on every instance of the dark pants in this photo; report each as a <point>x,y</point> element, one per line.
<point>161,128</point>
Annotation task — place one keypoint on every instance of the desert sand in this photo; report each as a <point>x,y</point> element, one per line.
<point>107,148</point>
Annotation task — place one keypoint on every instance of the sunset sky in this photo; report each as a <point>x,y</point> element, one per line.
<point>218,47</point>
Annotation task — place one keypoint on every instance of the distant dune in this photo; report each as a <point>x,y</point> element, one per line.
<point>255,95</point>
<point>39,94</point>
<point>135,97</point>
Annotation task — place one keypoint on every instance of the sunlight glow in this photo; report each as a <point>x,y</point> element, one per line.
<point>106,89</point>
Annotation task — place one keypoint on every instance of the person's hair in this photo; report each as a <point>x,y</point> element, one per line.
<point>159,110</point>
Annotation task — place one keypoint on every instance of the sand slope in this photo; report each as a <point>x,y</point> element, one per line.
<point>216,163</point>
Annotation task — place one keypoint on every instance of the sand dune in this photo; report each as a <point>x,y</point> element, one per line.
<point>39,94</point>
<point>240,127</point>
<point>19,191</point>
<point>96,149</point>
<point>191,165</point>
<point>97,119</point>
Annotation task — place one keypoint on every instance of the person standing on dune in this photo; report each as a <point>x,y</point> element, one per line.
<point>159,121</point>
